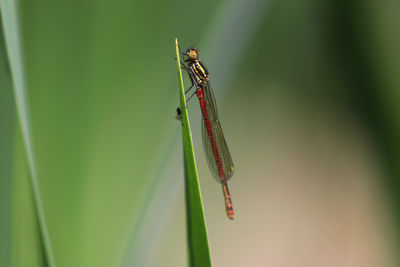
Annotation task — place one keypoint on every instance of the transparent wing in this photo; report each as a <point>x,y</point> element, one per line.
<point>223,151</point>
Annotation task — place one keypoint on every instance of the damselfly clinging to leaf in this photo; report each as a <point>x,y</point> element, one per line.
<point>217,153</point>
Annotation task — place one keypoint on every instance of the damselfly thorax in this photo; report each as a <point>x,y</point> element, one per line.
<point>199,72</point>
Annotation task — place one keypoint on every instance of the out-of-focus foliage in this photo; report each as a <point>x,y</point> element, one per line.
<point>6,152</point>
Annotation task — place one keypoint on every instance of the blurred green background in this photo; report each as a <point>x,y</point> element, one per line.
<point>308,97</point>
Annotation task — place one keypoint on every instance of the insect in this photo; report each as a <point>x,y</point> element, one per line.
<point>216,150</point>
<point>179,114</point>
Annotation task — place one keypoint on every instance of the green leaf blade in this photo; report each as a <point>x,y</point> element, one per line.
<point>7,116</point>
<point>10,22</point>
<point>198,248</point>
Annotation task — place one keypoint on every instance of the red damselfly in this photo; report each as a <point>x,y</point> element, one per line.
<point>217,153</point>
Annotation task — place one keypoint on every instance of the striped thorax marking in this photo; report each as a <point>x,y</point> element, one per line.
<point>200,72</point>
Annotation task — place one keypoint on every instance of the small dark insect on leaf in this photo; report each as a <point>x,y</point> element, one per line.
<point>179,114</point>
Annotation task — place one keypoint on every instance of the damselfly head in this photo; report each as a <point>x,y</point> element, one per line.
<point>191,54</point>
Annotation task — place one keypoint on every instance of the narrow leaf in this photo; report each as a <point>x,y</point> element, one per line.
<point>199,253</point>
<point>7,116</point>
<point>9,16</point>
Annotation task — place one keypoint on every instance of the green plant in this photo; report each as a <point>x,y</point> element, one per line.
<point>199,253</point>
